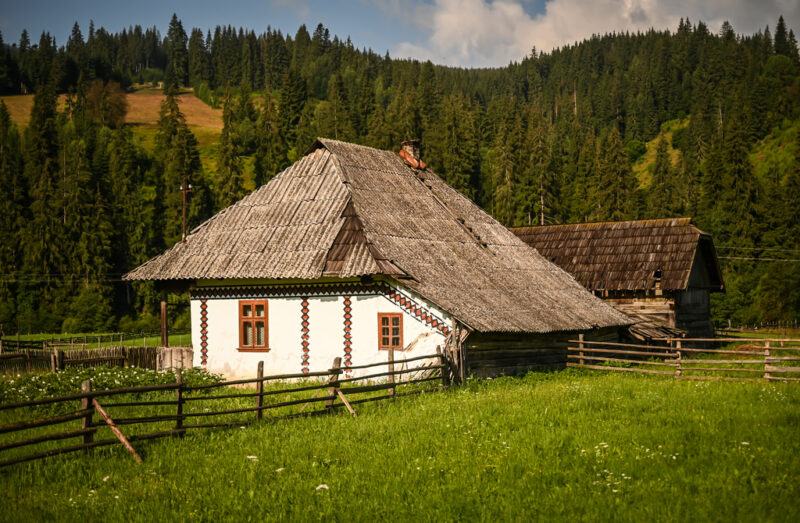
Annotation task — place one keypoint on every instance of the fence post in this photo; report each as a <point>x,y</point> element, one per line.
<point>86,403</point>
<point>60,359</point>
<point>391,371</point>
<point>334,382</point>
<point>179,397</point>
<point>445,367</point>
<point>259,391</point>
<point>580,349</point>
<point>678,359</point>
<point>766,362</point>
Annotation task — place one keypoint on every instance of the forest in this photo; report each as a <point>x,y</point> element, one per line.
<point>683,122</point>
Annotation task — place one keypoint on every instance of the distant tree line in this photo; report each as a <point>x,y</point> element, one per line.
<point>553,138</point>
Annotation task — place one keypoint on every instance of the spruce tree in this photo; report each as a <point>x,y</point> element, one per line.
<point>177,72</point>
<point>616,181</point>
<point>13,209</point>
<point>270,156</point>
<point>230,181</point>
<point>177,154</point>
<point>662,193</point>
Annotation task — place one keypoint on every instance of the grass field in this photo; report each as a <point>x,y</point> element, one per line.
<point>568,445</point>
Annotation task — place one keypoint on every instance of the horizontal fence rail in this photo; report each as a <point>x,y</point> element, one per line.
<point>55,359</point>
<point>90,341</point>
<point>738,359</point>
<point>178,407</point>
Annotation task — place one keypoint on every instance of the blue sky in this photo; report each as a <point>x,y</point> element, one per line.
<point>469,33</point>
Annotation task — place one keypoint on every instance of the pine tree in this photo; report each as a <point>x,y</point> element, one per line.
<point>617,183</point>
<point>270,156</point>
<point>176,151</point>
<point>662,194</point>
<point>198,59</point>
<point>453,145</point>
<point>230,181</point>
<point>782,46</point>
<point>45,253</point>
<point>177,72</point>
<point>291,105</point>
<point>13,208</point>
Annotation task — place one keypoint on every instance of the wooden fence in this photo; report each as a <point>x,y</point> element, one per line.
<point>694,358</point>
<point>53,360</point>
<point>85,341</point>
<point>190,407</point>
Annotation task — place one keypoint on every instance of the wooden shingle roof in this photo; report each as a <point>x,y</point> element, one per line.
<point>346,210</point>
<point>628,256</point>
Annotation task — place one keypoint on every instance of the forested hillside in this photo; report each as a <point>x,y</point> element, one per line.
<point>620,126</point>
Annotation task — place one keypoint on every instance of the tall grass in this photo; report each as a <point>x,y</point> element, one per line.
<point>558,446</point>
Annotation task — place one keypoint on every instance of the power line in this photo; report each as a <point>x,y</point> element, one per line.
<point>758,259</point>
<point>757,249</point>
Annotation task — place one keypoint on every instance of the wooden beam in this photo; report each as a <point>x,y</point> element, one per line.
<point>164,333</point>
<point>120,436</point>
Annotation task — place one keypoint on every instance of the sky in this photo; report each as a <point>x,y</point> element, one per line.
<point>464,33</point>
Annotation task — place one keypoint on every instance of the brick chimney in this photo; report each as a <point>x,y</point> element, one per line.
<point>410,153</point>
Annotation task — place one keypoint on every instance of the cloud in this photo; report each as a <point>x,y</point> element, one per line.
<point>483,33</point>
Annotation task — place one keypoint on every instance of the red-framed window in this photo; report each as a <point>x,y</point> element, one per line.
<point>253,326</point>
<point>390,331</point>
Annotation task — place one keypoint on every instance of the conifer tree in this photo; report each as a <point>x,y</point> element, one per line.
<point>176,151</point>
<point>617,183</point>
<point>270,156</point>
<point>13,208</point>
<point>44,249</point>
<point>661,202</point>
<point>177,72</point>
<point>291,105</point>
<point>230,181</point>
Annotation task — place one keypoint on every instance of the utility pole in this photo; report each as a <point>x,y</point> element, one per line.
<point>185,188</point>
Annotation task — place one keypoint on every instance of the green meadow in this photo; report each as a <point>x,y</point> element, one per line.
<point>566,445</point>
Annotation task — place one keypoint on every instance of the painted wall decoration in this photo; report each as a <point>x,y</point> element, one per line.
<point>204,332</point>
<point>335,320</point>
<point>348,335</point>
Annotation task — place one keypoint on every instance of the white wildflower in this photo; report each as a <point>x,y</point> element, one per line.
<point>323,486</point>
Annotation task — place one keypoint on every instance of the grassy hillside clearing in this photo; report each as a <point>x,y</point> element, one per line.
<point>143,107</point>
<point>558,446</point>
<point>644,166</point>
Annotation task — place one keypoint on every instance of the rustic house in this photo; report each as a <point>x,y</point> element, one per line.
<point>353,251</point>
<point>657,271</point>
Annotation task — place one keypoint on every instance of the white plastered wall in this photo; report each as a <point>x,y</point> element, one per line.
<point>326,334</point>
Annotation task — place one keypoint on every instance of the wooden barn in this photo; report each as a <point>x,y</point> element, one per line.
<point>353,251</point>
<point>660,272</point>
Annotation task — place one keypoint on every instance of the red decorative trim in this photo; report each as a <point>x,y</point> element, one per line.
<point>348,343</point>
<point>288,290</point>
<point>415,310</point>
<point>304,333</point>
<point>203,332</point>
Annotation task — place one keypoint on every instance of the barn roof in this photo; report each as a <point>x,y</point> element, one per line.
<point>629,255</point>
<point>346,210</point>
